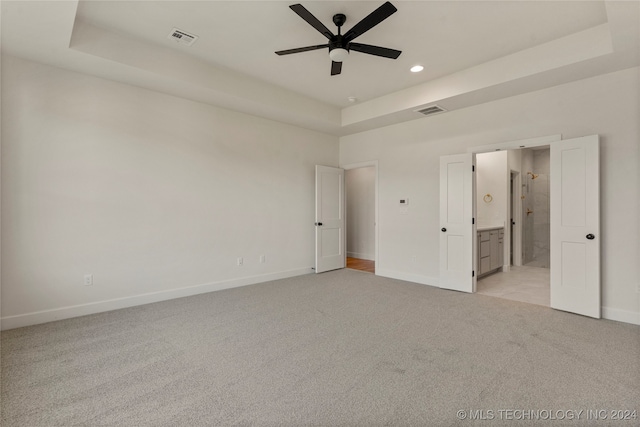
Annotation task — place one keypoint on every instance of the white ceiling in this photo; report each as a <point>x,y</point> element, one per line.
<point>443,36</point>
<point>472,51</point>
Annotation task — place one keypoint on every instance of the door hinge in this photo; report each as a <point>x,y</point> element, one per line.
<point>473,273</point>
<point>473,220</point>
<point>473,168</point>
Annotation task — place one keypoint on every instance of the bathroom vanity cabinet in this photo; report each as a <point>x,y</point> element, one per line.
<point>490,249</point>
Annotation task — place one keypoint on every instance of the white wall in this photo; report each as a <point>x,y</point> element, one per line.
<point>156,196</point>
<point>491,179</point>
<point>408,156</point>
<point>360,184</point>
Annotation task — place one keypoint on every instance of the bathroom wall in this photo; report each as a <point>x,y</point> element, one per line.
<point>536,219</point>
<point>491,188</point>
<point>527,207</point>
<point>541,217</point>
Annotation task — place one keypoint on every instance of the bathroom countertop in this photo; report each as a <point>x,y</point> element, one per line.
<point>489,227</point>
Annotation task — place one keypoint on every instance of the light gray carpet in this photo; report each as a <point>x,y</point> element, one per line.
<point>340,348</point>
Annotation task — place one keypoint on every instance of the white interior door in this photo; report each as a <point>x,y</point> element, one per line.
<point>575,226</point>
<point>457,249</point>
<point>330,219</point>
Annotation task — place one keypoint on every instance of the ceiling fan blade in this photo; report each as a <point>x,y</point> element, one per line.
<point>312,20</point>
<point>375,50</point>
<point>301,49</point>
<point>336,68</point>
<point>370,21</point>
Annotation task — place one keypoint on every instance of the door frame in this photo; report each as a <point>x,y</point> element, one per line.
<point>515,207</point>
<point>359,165</point>
<point>512,145</point>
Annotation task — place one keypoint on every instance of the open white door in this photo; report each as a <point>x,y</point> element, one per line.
<point>457,251</point>
<point>575,226</point>
<point>330,219</point>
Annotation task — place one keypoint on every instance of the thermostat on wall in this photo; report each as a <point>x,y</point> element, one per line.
<point>404,206</point>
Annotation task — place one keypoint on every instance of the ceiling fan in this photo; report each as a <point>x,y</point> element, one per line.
<point>340,44</point>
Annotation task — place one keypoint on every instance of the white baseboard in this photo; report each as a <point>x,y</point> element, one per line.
<point>28,319</point>
<point>608,313</point>
<point>358,255</point>
<point>409,277</point>
<point>618,315</point>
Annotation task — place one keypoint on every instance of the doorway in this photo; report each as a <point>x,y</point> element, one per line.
<point>365,265</point>
<point>574,222</point>
<point>361,213</point>
<point>525,275</point>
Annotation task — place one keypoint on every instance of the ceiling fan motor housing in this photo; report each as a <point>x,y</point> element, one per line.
<point>338,43</point>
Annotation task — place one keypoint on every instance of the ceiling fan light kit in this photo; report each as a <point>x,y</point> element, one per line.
<point>340,45</point>
<point>338,54</point>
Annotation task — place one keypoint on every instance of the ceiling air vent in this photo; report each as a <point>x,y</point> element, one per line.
<point>432,109</point>
<point>182,37</point>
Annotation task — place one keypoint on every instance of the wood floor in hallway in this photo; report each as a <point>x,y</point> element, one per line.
<point>361,264</point>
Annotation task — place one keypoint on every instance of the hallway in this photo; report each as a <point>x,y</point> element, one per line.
<point>361,264</point>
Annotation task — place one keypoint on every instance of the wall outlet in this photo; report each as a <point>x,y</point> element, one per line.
<point>263,259</point>
<point>240,261</point>
<point>88,279</point>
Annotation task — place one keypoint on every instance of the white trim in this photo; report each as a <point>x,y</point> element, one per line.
<point>516,239</point>
<point>374,163</point>
<point>360,165</point>
<point>409,277</point>
<point>37,317</point>
<point>618,315</point>
<point>18,321</point>
<point>514,145</point>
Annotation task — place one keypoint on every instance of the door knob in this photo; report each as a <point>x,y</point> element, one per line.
<point>443,229</point>
<point>318,223</point>
<point>590,236</point>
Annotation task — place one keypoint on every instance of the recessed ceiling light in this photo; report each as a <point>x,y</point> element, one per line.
<point>352,99</point>
<point>417,68</point>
